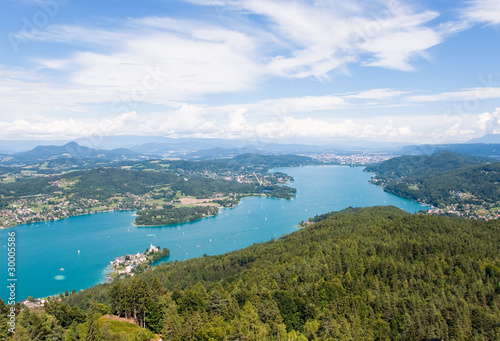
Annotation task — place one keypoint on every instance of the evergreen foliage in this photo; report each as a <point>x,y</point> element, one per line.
<point>173,215</point>
<point>360,274</point>
<point>436,179</point>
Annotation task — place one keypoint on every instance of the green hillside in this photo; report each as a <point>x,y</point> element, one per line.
<point>456,183</point>
<point>145,186</point>
<point>360,274</point>
<point>414,166</point>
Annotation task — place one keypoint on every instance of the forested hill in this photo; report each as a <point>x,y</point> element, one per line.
<point>272,161</point>
<point>360,274</point>
<point>412,166</point>
<point>28,196</point>
<point>456,183</point>
<point>250,162</point>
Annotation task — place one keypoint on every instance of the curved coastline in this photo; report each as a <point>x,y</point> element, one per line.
<point>103,237</point>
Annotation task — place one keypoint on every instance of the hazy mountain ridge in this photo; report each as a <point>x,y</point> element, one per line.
<point>71,150</point>
<point>184,145</point>
<point>478,149</point>
<point>488,138</point>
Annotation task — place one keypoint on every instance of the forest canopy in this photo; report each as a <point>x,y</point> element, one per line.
<point>360,274</point>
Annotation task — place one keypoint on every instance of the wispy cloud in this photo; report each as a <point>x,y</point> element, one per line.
<point>195,121</point>
<point>483,11</point>
<point>328,35</point>
<point>156,74</point>
<point>377,94</point>
<point>189,60</point>
<point>478,93</point>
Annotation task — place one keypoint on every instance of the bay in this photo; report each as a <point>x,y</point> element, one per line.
<point>43,249</point>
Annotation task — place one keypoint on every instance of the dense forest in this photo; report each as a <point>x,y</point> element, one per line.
<point>144,186</point>
<point>96,183</point>
<point>410,166</point>
<point>360,274</point>
<point>440,178</point>
<point>254,162</point>
<point>172,215</point>
<point>139,178</point>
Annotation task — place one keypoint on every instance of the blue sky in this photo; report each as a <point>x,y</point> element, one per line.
<point>403,71</point>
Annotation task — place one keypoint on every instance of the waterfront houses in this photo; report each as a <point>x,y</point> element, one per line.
<point>133,263</point>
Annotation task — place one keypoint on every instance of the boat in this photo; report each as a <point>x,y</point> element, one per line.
<point>62,269</point>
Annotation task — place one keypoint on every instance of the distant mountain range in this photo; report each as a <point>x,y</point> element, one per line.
<point>488,138</point>
<point>491,150</point>
<point>71,150</point>
<point>127,147</point>
<point>181,147</point>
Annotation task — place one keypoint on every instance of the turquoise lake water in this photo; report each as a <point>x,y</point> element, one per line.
<point>44,248</point>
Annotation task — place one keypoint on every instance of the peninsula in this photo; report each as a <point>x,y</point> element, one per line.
<point>148,186</point>
<point>129,265</point>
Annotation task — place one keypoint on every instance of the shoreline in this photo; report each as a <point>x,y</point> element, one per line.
<point>103,271</point>
<point>70,216</point>
<point>123,210</point>
<point>273,170</point>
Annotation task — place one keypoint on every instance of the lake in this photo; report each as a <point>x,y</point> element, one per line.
<point>84,245</point>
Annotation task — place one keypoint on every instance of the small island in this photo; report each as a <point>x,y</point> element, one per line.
<point>189,208</point>
<point>129,265</point>
<point>170,214</point>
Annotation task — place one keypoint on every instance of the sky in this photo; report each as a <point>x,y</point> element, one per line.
<point>285,71</point>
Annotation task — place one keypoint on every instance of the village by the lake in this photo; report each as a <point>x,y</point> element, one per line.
<point>130,264</point>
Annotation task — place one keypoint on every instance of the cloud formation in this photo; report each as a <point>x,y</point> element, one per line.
<point>483,11</point>
<point>191,76</point>
<point>327,35</point>
<point>478,93</point>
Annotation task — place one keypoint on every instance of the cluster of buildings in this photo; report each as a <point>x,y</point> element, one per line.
<point>46,208</point>
<point>36,303</point>
<point>125,265</point>
<point>351,159</point>
<point>244,175</point>
<point>23,211</point>
<point>471,211</point>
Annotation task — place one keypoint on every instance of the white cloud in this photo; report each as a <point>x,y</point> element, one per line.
<point>201,121</point>
<point>237,121</point>
<point>189,68</point>
<point>303,104</point>
<point>456,131</point>
<point>327,35</point>
<point>478,93</point>
<point>108,76</point>
<point>483,11</point>
<point>377,94</point>
<point>489,122</point>
<point>196,121</point>
<point>315,128</point>
<point>195,59</point>
<point>397,49</point>
<point>189,118</point>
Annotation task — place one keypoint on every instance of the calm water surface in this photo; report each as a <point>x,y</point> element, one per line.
<point>44,248</point>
